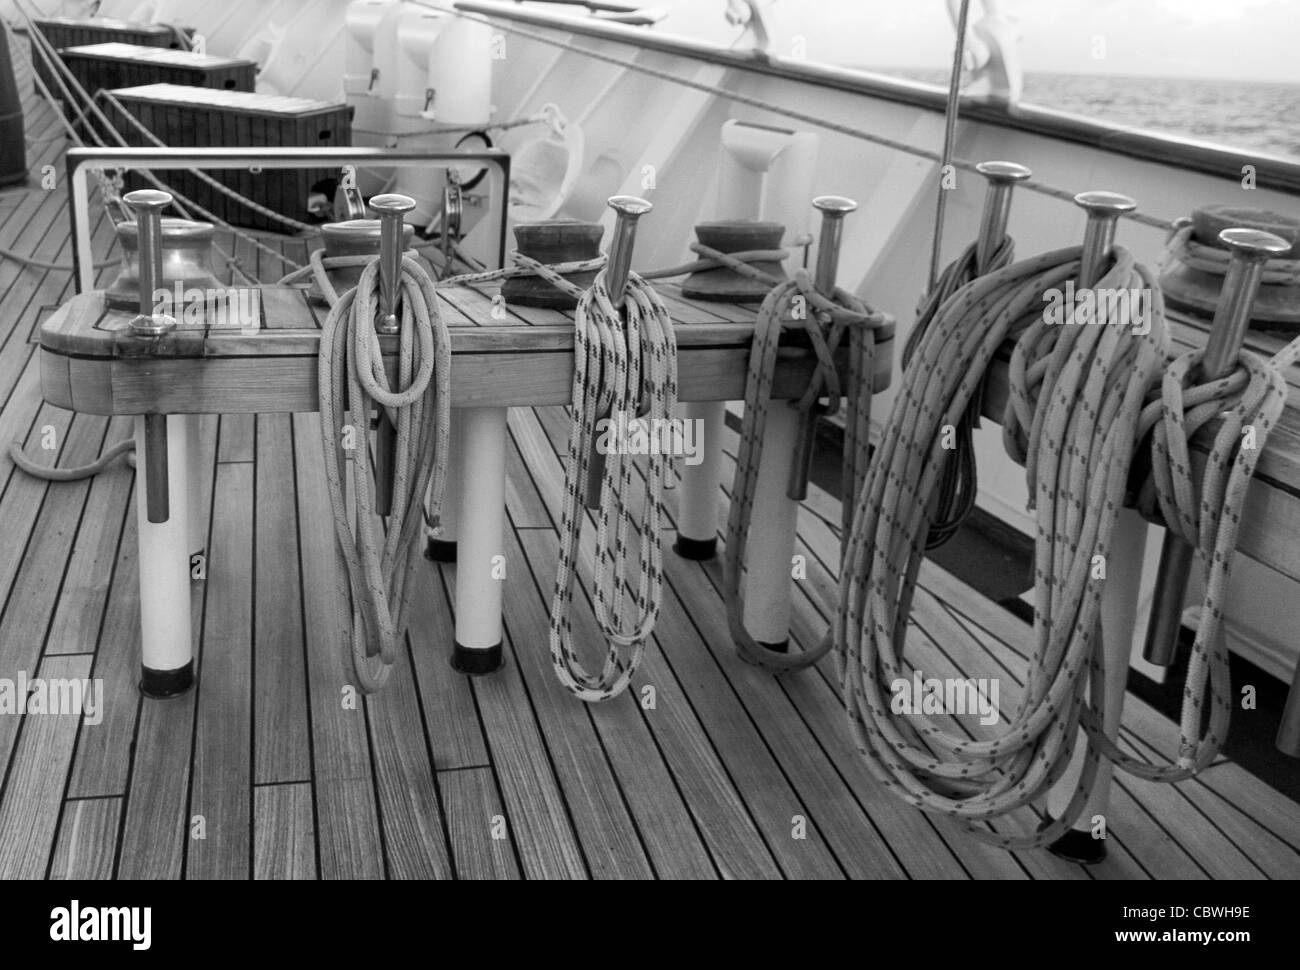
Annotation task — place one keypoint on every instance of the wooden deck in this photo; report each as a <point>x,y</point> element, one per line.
<point>264,771</point>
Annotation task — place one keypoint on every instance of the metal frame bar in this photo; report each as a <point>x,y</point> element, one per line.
<point>80,161</point>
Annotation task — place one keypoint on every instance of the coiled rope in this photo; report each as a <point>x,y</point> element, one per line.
<point>959,480</point>
<point>1079,404</point>
<point>375,580</point>
<point>826,321</point>
<point>1181,247</point>
<point>621,360</point>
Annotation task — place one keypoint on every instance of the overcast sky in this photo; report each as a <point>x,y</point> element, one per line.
<point>1248,39</point>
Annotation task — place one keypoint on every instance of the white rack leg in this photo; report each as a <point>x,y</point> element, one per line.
<point>164,562</point>
<point>480,560</point>
<point>1119,616</point>
<point>697,506</point>
<point>198,515</point>
<point>440,545</point>
<point>770,550</point>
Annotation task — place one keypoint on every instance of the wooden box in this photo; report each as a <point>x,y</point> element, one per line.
<point>197,117</point>
<point>108,66</point>
<point>64,32</point>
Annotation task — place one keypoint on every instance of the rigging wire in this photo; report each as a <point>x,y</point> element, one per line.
<point>949,136</point>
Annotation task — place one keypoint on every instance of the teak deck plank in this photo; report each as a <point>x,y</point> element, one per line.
<point>665,821</point>
<point>539,820</point>
<point>347,823</point>
<point>30,813</point>
<point>473,811</point>
<point>284,832</point>
<point>722,817</point>
<point>415,843</point>
<point>220,799</point>
<point>452,728</point>
<point>87,840</point>
<point>600,815</point>
<point>282,734</point>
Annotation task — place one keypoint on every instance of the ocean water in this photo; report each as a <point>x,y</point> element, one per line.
<point>1243,115</point>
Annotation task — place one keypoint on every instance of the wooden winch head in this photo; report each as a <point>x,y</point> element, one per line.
<point>1276,305</point>
<point>186,259</point>
<point>553,241</point>
<point>352,237</point>
<point>724,283</point>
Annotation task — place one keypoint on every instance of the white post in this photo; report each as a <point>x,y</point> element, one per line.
<point>770,548</point>
<point>697,500</point>
<point>164,561</point>
<point>195,472</point>
<point>440,543</point>
<point>1119,612</point>
<point>480,559</point>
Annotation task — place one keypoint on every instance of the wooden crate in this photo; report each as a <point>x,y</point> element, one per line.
<point>197,117</point>
<point>64,32</point>
<point>108,66</point>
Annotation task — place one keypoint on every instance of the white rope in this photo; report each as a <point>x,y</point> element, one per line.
<point>621,359</point>
<point>376,571</point>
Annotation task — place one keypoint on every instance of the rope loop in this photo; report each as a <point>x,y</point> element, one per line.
<point>1085,390</point>
<point>620,360</point>
<point>1182,248</point>
<point>378,563</point>
<point>797,305</point>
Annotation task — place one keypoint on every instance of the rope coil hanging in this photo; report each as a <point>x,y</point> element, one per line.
<point>374,585</point>
<point>959,482</point>
<point>1079,405</point>
<point>621,360</point>
<point>1182,247</point>
<point>826,321</point>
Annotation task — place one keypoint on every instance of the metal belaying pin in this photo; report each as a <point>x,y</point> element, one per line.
<point>1249,249</point>
<point>148,205</point>
<point>629,210</point>
<point>1104,210</point>
<point>391,210</point>
<point>833,209</point>
<point>1002,178</point>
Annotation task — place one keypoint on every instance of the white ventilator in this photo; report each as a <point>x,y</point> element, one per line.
<point>411,73</point>
<point>545,170</point>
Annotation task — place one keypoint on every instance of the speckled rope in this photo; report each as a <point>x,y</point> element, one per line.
<point>1080,401</point>
<point>377,570</point>
<point>620,360</point>
<point>1181,247</point>
<point>1080,442</point>
<point>826,322</point>
<point>959,480</point>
